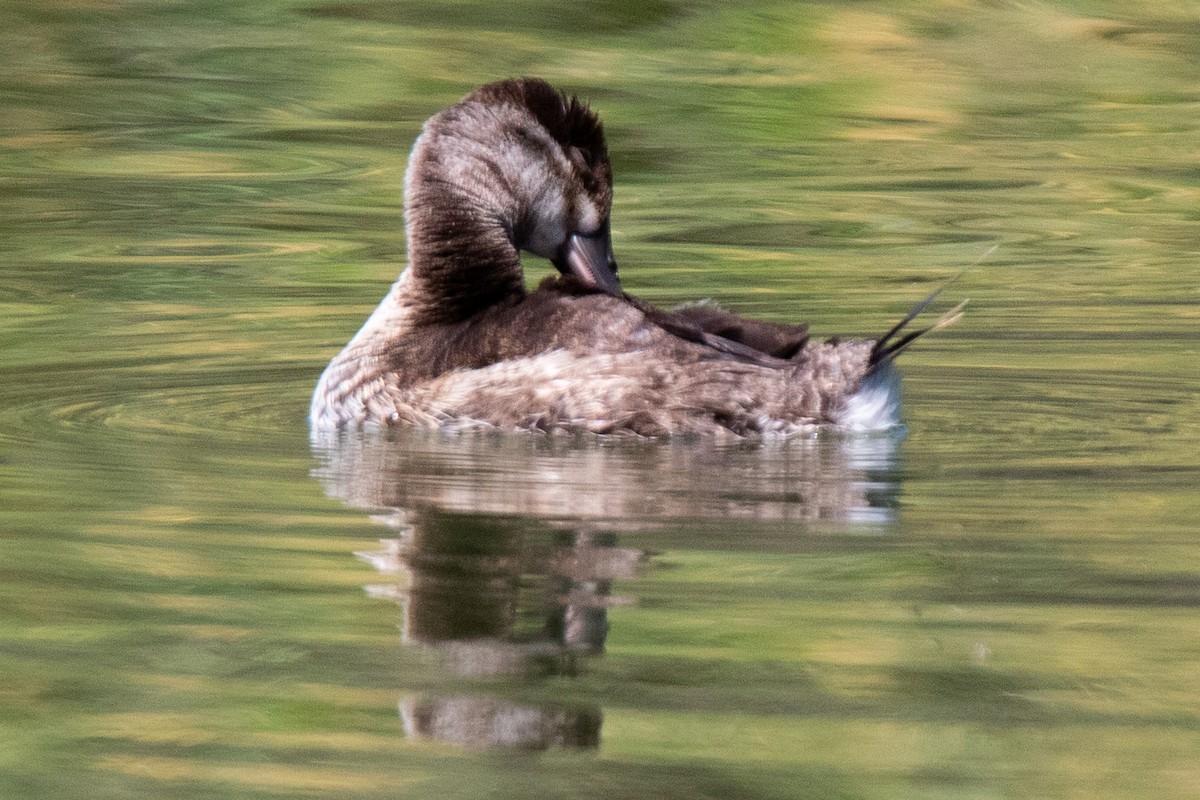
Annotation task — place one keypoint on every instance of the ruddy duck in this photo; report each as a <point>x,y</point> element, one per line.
<point>460,342</point>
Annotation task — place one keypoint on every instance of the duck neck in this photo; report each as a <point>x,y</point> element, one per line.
<point>461,254</point>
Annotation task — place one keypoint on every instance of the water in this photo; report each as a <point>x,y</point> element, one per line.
<point>199,203</point>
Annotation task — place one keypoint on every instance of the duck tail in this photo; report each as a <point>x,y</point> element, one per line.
<point>897,340</point>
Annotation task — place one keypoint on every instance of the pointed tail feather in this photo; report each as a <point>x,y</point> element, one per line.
<point>896,340</point>
<point>891,344</point>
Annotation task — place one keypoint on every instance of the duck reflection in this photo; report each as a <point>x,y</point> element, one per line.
<point>504,550</point>
<point>489,601</point>
<point>616,483</point>
<point>495,604</point>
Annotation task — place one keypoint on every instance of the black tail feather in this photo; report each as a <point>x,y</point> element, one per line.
<point>887,347</point>
<point>891,344</point>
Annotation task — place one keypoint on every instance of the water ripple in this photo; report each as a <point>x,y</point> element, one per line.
<point>180,396</point>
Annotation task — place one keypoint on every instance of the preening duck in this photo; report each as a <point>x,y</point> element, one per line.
<point>459,342</point>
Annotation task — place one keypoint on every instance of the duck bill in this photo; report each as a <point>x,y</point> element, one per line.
<point>590,259</point>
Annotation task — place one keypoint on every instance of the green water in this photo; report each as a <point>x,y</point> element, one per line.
<point>199,202</point>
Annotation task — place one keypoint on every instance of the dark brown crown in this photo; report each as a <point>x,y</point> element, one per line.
<point>565,117</point>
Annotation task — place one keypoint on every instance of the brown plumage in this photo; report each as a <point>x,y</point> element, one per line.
<point>458,341</point>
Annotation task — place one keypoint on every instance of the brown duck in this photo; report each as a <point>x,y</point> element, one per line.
<point>459,341</point>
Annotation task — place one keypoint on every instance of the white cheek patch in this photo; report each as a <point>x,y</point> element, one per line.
<point>536,186</point>
<point>588,217</point>
<point>546,184</point>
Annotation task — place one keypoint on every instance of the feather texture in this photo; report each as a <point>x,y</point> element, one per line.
<point>459,342</point>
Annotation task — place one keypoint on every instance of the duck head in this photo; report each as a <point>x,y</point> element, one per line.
<point>515,165</point>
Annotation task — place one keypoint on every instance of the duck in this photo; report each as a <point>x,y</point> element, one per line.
<point>459,342</point>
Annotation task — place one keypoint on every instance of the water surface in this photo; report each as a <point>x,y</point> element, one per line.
<point>200,202</point>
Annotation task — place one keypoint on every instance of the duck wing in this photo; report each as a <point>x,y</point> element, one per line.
<point>764,343</point>
<point>775,339</point>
